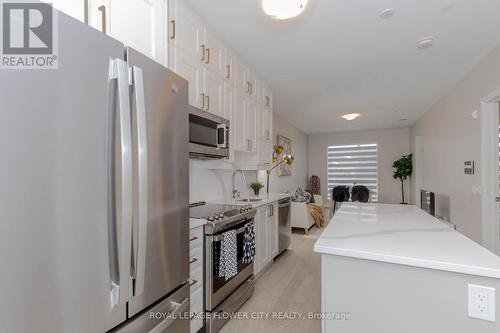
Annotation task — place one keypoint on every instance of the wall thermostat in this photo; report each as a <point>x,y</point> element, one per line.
<point>469,167</point>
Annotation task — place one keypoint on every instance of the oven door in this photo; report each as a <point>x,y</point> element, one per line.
<point>217,288</point>
<point>208,135</point>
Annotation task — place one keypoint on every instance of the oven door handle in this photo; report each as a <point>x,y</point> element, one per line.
<point>219,237</point>
<point>222,127</point>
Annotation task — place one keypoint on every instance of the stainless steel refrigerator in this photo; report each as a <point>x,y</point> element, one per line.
<point>93,191</point>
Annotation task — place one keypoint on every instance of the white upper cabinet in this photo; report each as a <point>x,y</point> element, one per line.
<point>219,82</point>
<point>251,125</point>
<point>238,125</point>
<point>187,31</point>
<point>74,8</point>
<point>254,85</point>
<point>213,92</point>
<point>190,69</point>
<point>229,97</point>
<point>229,66</point>
<point>140,24</point>
<point>215,54</point>
<point>241,76</point>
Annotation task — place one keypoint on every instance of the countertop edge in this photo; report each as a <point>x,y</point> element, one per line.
<point>414,262</point>
<point>195,223</point>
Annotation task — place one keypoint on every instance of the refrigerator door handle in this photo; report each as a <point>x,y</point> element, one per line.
<point>121,244</point>
<point>140,216</point>
<point>176,314</point>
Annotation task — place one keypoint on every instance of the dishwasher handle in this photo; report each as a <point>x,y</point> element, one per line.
<point>284,203</point>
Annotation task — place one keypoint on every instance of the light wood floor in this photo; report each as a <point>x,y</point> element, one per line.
<point>291,284</point>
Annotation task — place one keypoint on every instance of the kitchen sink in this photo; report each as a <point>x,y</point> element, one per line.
<point>250,200</point>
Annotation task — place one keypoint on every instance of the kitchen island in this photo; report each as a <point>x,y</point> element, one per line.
<point>395,268</point>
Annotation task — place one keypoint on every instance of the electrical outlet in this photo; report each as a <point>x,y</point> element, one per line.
<point>482,302</point>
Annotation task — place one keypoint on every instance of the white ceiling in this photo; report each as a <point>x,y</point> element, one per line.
<point>339,57</point>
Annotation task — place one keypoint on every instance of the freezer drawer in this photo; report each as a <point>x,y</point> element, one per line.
<point>169,316</point>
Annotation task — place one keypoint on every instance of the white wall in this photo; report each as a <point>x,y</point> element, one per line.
<point>207,184</point>
<point>451,137</point>
<point>392,144</point>
<point>299,151</point>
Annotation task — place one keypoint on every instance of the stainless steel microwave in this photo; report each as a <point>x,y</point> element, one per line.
<point>208,135</point>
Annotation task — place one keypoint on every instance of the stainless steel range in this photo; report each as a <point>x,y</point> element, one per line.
<point>222,296</point>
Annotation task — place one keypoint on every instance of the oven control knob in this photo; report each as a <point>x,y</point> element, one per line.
<point>210,218</point>
<point>216,217</point>
<point>221,215</point>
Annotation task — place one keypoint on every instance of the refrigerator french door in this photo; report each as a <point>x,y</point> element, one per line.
<point>94,191</point>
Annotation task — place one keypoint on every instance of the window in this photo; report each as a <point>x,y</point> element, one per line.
<point>353,165</point>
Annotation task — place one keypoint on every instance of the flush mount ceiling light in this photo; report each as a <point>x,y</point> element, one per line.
<point>283,9</point>
<point>425,43</point>
<point>387,13</point>
<point>351,116</point>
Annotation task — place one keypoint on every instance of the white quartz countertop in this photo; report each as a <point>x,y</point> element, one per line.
<point>195,223</point>
<point>404,234</point>
<point>265,199</point>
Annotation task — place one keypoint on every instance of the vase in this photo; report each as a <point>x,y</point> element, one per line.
<point>256,192</point>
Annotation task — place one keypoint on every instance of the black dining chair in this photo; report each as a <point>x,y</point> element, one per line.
<point>339,195</point>
<point>360,193</point>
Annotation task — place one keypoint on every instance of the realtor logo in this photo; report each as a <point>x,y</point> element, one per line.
<point>28,35</point>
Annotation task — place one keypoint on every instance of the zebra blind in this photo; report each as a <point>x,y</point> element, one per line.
<point>353,165</point>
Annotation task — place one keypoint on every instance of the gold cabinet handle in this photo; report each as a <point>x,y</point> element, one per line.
<point>203,51</point>
<point>228,71</point>
<point>208,102</point>
<point>208,56</point>
<point>248,87</point>
<point>102,9</point>
<point>172,36</point>
<point>193,238</point>
<point>193,259</point>
<point>203,100</point>
<point>192,283</point>
<point>86,11</point>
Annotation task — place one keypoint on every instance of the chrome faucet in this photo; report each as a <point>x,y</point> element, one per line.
<point>236,193</point>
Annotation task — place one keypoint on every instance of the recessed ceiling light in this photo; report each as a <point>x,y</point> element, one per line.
<point>351,116</point>
<point>425,43</point>
<point>448,7</point>
<point>283,9</point>
<point>387,13</point>
<point>403,119</point>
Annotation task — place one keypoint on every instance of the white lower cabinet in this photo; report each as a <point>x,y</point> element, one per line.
<point>196,266</point>
<point>262,257</point>
<point>266,236</point>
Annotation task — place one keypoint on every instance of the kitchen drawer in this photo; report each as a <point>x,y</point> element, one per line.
<point>195,237</point>
<point>196,279</point>
<point>195,258</point>
<point>196,310</point>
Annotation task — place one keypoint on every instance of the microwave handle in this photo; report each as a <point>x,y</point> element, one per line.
<point>222,127</point>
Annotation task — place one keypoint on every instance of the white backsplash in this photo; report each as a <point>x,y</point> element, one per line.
<point>206,184</point>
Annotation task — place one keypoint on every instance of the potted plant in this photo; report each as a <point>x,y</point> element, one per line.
<point>256,187</point>
<point>403,169</point>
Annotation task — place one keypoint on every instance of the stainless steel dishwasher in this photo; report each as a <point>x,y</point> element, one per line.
<point>285,228</point>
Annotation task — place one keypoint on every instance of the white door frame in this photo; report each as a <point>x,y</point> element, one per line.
<point>418,167</point>
<point>490,224</point>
